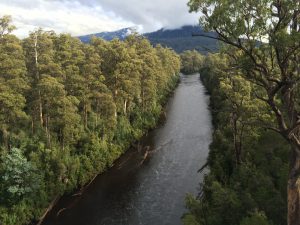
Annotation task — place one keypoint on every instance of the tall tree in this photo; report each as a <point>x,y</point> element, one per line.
<point>267,33</point>
<point>13,82</point>
<point>120,71</point>
<point>148,70</point>
<point>60,111</point>
<point>5,25</point>
<point>97,99</point>
<point>39,55</point>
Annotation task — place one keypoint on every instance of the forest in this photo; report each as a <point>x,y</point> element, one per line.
<point>191,61</point>
<point>68,110</point>
<point>254,158</point>
<point>248,164</point>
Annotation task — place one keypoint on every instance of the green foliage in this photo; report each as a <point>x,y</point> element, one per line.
<point>255,219</point>
<point>262,41</point>
<point>18,177</point>
<point>252,191</point>
<point>191,62</point>
<point>5,25</point>
<point>68,110</point>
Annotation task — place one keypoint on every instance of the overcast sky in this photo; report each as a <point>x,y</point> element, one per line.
<point>92,16</point>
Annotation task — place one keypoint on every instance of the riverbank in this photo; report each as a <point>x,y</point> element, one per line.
<point>137,190</point>
<point>248,164</point>
<point>131,141</point>
<point>77,108</point>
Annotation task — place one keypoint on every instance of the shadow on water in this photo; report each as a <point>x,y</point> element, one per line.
<point>148,187</point>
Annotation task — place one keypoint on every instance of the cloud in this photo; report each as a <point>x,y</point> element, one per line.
<point>152,14</point>
<point>90,16</point>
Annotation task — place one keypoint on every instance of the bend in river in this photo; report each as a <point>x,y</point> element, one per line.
<point>150,192</point>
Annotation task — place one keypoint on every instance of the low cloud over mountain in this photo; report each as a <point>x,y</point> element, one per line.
<point>82,17</point>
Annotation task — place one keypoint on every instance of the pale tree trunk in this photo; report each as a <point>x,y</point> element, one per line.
<point>48,135</point>
<point>293,188</point>
<point>125,107</point>
<point>32,126</point>
<point>41,110</point>
<point>38,77</point>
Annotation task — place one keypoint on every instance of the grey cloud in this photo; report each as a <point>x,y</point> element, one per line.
<point>151,14</point>
<point>80,17</point>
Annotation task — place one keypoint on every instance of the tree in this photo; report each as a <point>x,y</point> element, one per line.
<point>191,61</point>
<point>60,111</point>
<point>256,218</point>
<point>97,99</point>
<point>5,25</point>
<point>147,69</point>
<point>121,71</point>
<point>39,56</point>
<point>18,177</point>
<point>13,83</point>
<point>169,67</point>
<point>267,33</point>
<point>239,103</point>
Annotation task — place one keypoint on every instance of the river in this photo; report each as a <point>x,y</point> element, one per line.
<point>152,191</point>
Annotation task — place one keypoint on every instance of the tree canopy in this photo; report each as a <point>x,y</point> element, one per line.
<point>267,34</point>
<point>68,110</point>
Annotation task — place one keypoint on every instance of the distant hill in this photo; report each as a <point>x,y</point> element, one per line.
<point>120,34</point>
<point>180,39</point>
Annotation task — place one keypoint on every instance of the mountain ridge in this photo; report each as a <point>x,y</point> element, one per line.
<point>179,39</point>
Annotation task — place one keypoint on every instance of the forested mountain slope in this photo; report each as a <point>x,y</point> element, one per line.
<point>179,39</point>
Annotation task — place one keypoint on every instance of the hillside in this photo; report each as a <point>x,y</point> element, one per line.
<point>180,39</point>
<point>120,34</point>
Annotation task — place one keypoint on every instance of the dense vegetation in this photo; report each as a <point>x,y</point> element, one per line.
<point>248,164</point>
<point>191,61</point>
<point>263,47</point>
<point>68,110</point>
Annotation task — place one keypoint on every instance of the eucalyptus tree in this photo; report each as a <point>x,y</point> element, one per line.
<point>267,33</point>
<point>191,61</point>
<point>120,69</point>
<point>98,106</point>
<point>39,58</point>
<point>5,25</point>
<point>149,66</point>
<point>169,67</point>
<point>13,83</point>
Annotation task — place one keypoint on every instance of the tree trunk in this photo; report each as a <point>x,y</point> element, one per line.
<point>293,189</point>
<point>41,110</point>
<point>48,135</point>
<point>125,107</point>
<point>237,139</point>
<point>85,112</point>
<point>5,137</point>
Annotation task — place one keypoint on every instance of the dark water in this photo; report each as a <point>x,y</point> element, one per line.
<point>151,191</point>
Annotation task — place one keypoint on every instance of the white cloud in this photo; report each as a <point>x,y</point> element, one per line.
<point>91,16</point>
<point>60,16</point>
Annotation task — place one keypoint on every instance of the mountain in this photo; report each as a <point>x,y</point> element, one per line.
<point>180,39</point>
<point>120,34</point>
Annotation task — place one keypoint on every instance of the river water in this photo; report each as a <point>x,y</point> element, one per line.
<point>152,191</point>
